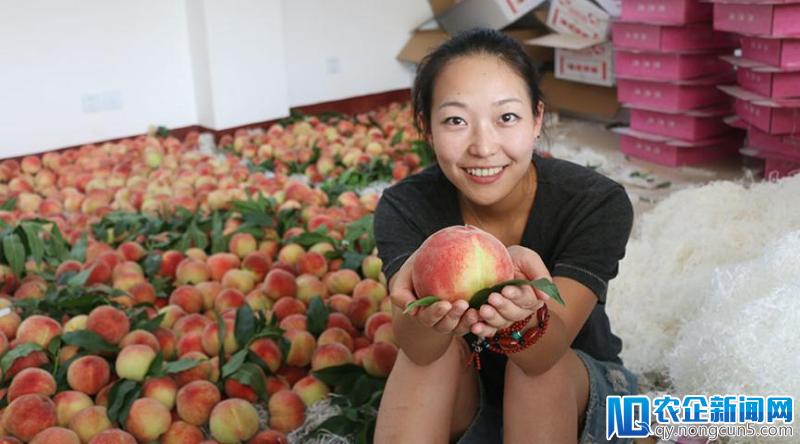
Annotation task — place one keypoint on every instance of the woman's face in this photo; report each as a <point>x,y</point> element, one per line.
<point>482,127</point>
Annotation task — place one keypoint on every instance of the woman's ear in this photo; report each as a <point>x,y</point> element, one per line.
<point>539,119</point>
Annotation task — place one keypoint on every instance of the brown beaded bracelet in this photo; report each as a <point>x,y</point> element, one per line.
<point>510,339</point>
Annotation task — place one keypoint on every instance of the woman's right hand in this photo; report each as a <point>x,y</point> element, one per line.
<point>444,317</point>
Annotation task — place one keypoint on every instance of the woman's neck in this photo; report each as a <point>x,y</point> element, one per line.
<point>519,201</point>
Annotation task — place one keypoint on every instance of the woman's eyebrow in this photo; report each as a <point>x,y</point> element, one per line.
<point>462,105</point>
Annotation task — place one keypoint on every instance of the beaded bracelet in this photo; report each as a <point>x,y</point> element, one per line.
<point>511,339</point>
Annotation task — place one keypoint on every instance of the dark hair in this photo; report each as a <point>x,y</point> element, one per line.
<point>474,41</point>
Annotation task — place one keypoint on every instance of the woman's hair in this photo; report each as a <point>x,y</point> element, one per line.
<point>472,42</point>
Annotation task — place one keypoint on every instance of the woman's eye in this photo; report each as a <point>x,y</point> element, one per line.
<point>509,117</point>
<point>454,121</point>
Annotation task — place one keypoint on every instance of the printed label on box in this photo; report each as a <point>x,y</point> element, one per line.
<point>591,65</point>
<point>578,17</point>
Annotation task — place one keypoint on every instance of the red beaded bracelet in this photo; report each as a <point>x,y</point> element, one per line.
<point>510,339</point>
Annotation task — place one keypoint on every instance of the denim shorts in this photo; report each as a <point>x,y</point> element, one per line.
<point>605,378</point>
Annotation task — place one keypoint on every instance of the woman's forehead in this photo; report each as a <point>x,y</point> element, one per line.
<point>479,77</point>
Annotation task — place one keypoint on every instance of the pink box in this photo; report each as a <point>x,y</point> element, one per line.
<point>629,35</point>
<point>775,166</point>
<point>775,116</point>
<point>780,145</point>
<point>670,96</point>
<point>762,19</point>
<point>668,12</point>
<point>673,153</point>
<point>765,80</point>
<point>668,66</point>
<point>782,53</point>
<point>690,125</point>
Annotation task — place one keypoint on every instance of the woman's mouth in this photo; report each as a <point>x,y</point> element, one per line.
<point>485,175</point>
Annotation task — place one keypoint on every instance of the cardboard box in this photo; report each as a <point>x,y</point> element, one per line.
<point>578,59</point>
<point>581,100</point>
<point>630,35</point>
<point>668,65</point>
<point>580,18</point>
<point>775,116</point>
<point>671,96</point>
<point>495,14</point>
<point>761,18</point>
<point>766,80</point>
<point>781,53</point>
<point>667,12</point>
<point>689,125</point>
<point>671,152</point>
<point>423,42</point>
<point>786,146</point>
<point>775,166</point>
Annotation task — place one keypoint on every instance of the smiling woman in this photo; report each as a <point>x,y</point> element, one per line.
<point>477,101</point>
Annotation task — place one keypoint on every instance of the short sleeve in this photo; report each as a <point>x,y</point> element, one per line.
<point>597,242</point>
<point>396,236</point>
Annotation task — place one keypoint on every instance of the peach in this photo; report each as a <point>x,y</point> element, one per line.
<point>340,302</point>
<point>286,411</point>
<point>148,420</point>
<point>192,271</point>
<point>113,436</point>
<point>132,251</point>
<point>286,306</point>
<point>242,244</point>
<point>309,286</point>
<point>125,281</point>
<point>101,398</point>
<point>35,359</point>
<point>258,300</point>
<point>241,280</point>
<point>301,347</point>
<point>341,281</point>
<point>90,422</point>
<point>28,415</point>
<point>279,283</point>
<point>190,342</point>
<point>88,374</point>
<point>133,362</point>
<point>258,264</point>
<point>196,253</point>
<point>182,433</point>
<point>194,322</point>
<point>268,351</point>
<point>341,321</point>
<point>162,389</point>
<point>30,290</point>
<point>209,290</point>
<point>331,355</point>
<point>294,322</point>
<point>371,267</point>
<point>167,341</point>
<point>375,321</point>
<point>202,371</point>
<point>38,329</point>
<point>236,389</point>
<point>210,338</point>
<point>228,298</point>
<point>290,254</point>
<point>142,337</point>
<point>68,266</point>
<point>195,401</point>
<point>458,261</point>
<point>312,263</point>
<point>100,272</point>
<point>336,334</point>
<point>311,390</point>
<point>220,263</point>
<point>384,333</point>
<point>188,298</point>
<point>371,288</point>
<point>56,435</point>
<point>379,359</point>
<point>233,420</point>
<point>143,293</point>
<point>171,314</point>
<point>169,263</point>
<point>360,342</point>
<point>109,323</point>
<point>269,437</point>
<point>360,309</point>
<point>68,403</point>
<point>276,384</point>
<point>31,381</point>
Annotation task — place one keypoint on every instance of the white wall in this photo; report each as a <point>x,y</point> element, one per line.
<point>53,53</point>
<point>361,36</point>
<point>184,62</point>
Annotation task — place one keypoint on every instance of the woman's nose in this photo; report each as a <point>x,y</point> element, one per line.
<point>483,142</point>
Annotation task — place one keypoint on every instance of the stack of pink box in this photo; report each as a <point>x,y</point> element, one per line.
<point>668,67</point>
<point>767,97</point>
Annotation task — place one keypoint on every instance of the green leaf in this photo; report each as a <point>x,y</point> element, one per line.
<point>317,316</point>
<point>306,240</point>
<point>156,368</point>
<point>352,260</point>
<point>250,375</point>
<point>120,399</point>
<point>398,137</point>
<point>345,374</point>
<point>19,351</point>
<point>9,205</point>
<point>58,244</point>
<point>337,425</point>
<point>34,241</point>
<point>221,332</point>
<point>180,365</point>
<point>543,284</point>
<point>218,243</point>
<point>245,325</point>
<point>14,251</point>
<point>78,251</point>
<point>149,324</point>
<point>423,302</point>
<point>89,341</point>
<point>234,363</point>
<point>80,279</point>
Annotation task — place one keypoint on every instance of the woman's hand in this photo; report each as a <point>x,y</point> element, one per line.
<point>514,303</point>
<point>444,317</point>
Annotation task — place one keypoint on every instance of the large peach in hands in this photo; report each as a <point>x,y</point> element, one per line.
<point>456,262</point>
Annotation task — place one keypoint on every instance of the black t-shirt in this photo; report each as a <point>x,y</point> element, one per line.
<point>579,225</point>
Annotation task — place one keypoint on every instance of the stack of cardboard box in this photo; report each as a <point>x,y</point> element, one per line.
<point>523,20</point>
<point>767,94</point>
<point>668,69</point>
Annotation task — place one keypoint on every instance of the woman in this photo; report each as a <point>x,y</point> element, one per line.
<point>477,101</point>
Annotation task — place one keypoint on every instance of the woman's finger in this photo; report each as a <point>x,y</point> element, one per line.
<point>483,330</point>
<point>491,316</point>
<point>467,319</point>
<point>506,307</point>
<point>450,321</point>
<point>430,315</point>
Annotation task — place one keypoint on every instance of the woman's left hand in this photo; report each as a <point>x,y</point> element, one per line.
<point>513,303</point>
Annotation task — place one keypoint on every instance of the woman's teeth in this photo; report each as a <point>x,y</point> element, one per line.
<point>482,172</point>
